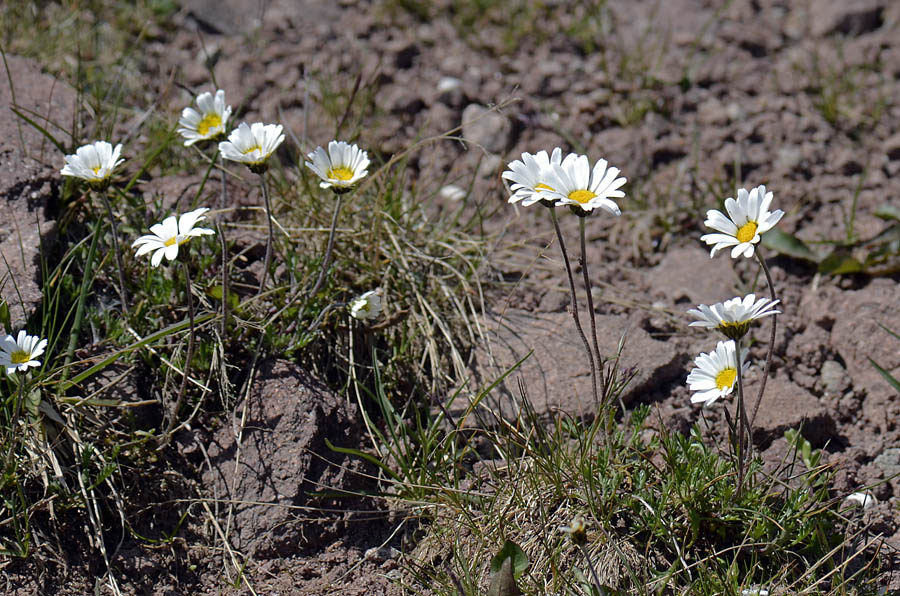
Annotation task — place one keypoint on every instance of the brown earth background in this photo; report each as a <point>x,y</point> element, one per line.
<point>691,99</point>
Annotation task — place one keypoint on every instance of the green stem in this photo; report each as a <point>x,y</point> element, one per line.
<point>123,294</point>
<point>223,245</point>
<point>173,418</point>
<point>17,407</point>
<point>590,565</point>
<point>271,237</point>
<point>762,385</point>
<point>329,247</point>
<point>590,303</point>
<point>575,316</point>
<point>743,443</point>
<point>86,280</point>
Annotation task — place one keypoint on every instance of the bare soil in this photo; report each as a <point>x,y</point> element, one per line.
<point>691,100</point>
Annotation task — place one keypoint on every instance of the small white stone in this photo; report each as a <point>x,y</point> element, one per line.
<point>452,192</point>
<point>863,499</point>
<point>448,85</point>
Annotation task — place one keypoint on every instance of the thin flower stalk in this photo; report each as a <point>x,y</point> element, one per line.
<point>173,416</point>
<point>590,303</point>
<point>86,281</point>
<point>762,385</point>
<point>329,247</point>
<point>575,315</point>
<point>744,433</point>
<point>123,292</point>
<point>270,238</point>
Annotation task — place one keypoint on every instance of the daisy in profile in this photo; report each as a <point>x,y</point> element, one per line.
<point>167,236</point>
<point>366,306</point>
<point>716,373</point>
<point>252,145</point>
<point>21,352</point>
<point>748,218</point>
<point>575,182</point>
<point>529,177</point>
<point>94,163</point>
<point>733,317</point>
<point>342,166</point>
<point>208,121</point>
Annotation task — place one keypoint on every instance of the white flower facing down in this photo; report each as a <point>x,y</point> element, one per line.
<point>748,218</point>
<point>253,144</point>
<point>21,352</point>
<point>575,183</point>
<point>94,162</point>
<point>529,176</point>
<point>366,306</point>
<point>716,373</point>
<point>733,317</point>
<point>208,121</point>
<point>167,236</point>
<point>342,166</point>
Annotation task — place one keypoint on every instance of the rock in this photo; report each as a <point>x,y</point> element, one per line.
<point>851,18</point>
<point>283,459</point>
<point>226,17</point>
<point>788,158</point>
<point>556,375</point>
<point>889,461</point>
<point>452,192</point>
<point>29,180</point>
<point>484,127</point>
<point>784,406</point>
<point>835,380</point>
<point>449,91</point>
<point>380,554</point>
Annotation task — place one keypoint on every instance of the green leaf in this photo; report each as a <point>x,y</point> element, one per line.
<point>788,245</point>
<point>233,300</point>
<point>840,263</point>
<point>174,328</point>
<point>887,376</point>
<point>888,212</point>
<point>5,318</point>
<point>512,551</point>
<point>503,582</point>
<point>32,402</point>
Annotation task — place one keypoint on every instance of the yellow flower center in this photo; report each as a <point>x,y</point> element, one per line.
<point>746,232</point>
<point>252,149</point>
<point>171,241</point>
<point>581,196</point>
<point>209,121</point>
<point>340,173</point>
<point>725,378</point>
<point>542,186</point>
<point>96,170</point>
<point>20,357</point>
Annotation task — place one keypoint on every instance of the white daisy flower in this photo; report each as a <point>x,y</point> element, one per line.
<point>366,306</point>
<point>21,352</point>
<point>733,317</point>
<point>252,145</point>
<point>208,121</point>
<point>529,176</point>
<point>748,218</point>
<point>342,166</point>
<point>94,162</point>
<point>716,373</point>
<point>575,183</point>
<point>170,234</point>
